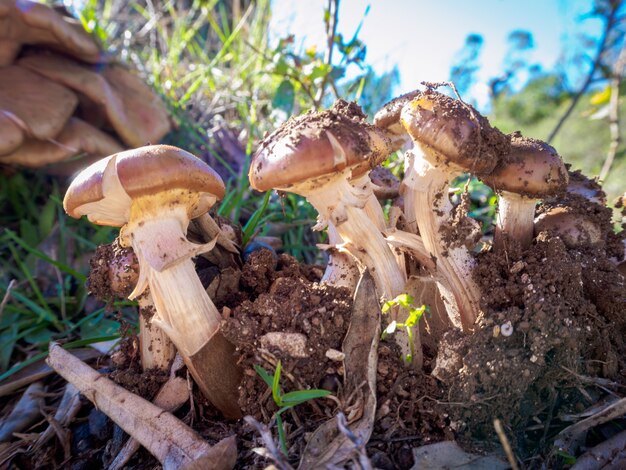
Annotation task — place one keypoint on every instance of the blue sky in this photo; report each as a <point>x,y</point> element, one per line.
<point>422,37</point>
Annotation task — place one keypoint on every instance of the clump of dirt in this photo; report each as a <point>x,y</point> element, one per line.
<point>545,320</point>
<point>292,320</point>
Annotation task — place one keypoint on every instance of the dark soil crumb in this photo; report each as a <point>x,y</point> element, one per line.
<point>461,230</point>
<point>113,272</point>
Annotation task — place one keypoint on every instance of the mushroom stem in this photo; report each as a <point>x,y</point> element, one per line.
<point>157,349</point>
<point>515,221</point>
<point>341,270</point>
<point>372,207</point>
<point>427,187</point>
<point>156,230</point>
<point>342,205</point>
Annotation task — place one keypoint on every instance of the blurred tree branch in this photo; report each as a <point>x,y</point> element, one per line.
<point>609,11</point>
<point>614,120</point>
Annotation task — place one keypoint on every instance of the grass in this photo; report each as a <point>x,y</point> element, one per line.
<point>214,68</point>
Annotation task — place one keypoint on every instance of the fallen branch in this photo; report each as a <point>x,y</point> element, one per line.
<point>570,439</point>
<point>173,443</point>
<point>24,413</point>
<point>610,454</point>
<point>172,395</point>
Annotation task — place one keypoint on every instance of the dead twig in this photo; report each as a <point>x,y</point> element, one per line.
<point>611,453</point>
<point>173,443</point>
<point>271,450</point>
<point>608,27</point>
<point>497,424</point>
<point>570,439</point>
<point>25,412</point>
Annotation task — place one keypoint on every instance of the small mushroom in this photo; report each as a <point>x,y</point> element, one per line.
<point>450,138</point>
<point>40,106</point>
<point>136,113</point>
<point>388,119</point>
<point>120,277</point>
<point>314,155</point>
<point>76,138</point>
<point>576,230</point>
<point>531,171</point>
<point>152,193</point>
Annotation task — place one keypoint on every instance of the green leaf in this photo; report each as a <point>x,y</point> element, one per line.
<point>251,225</point>
<point>99,326</point>
<point>6,350</point>
<point>301,396</point>
<point>46,219</point>
<point>267,378</point>
<point>284,97</point>
<point>276,384</point>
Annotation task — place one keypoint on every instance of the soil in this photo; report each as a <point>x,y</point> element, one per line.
<point>554,317</point>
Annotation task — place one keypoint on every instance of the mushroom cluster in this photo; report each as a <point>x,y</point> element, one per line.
<point>327,157</point>
<point>62,98</point>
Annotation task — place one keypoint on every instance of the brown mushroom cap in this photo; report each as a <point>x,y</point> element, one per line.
<point>139,172</point>
<point>315,145</point>
<point>76,137</point>
<point>388,117</point>
<point>27,22</point>
<point>136,113</point>
<point>574,229</point>
<point>41,104</point>
<point>11,134</point>
<point>453,133</point>
<point>532,168</point>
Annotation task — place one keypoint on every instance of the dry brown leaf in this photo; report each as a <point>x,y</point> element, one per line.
<point>328,446</point>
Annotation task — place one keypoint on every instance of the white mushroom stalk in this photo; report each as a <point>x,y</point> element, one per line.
<point>157,232</point>
<point>341,270</point>
<point>450,138</point>
<point>427,187</point>
<point>342,205</point>
<point>515,219</point>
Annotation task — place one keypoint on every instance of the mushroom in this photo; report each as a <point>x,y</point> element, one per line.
<point>388,118</point>
<point>384,183</point>
<point>26,22</point>
<point>576,230</point>
<point>136,113</point>
<point>39,106</point>
<point>314,155</point>
<point>531,171</point>
<point>450,138</point>
<point>152,193</point>
<point>115,272</point>
<point>11,133</point>
<point>77,137</point>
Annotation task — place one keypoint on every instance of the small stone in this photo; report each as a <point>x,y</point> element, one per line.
<point>290,344</point>
<point>335,355</point>
<point>517,267</point>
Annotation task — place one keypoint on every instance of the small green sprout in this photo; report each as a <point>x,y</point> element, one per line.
<point>287,400</point>
<point>404,301</point>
